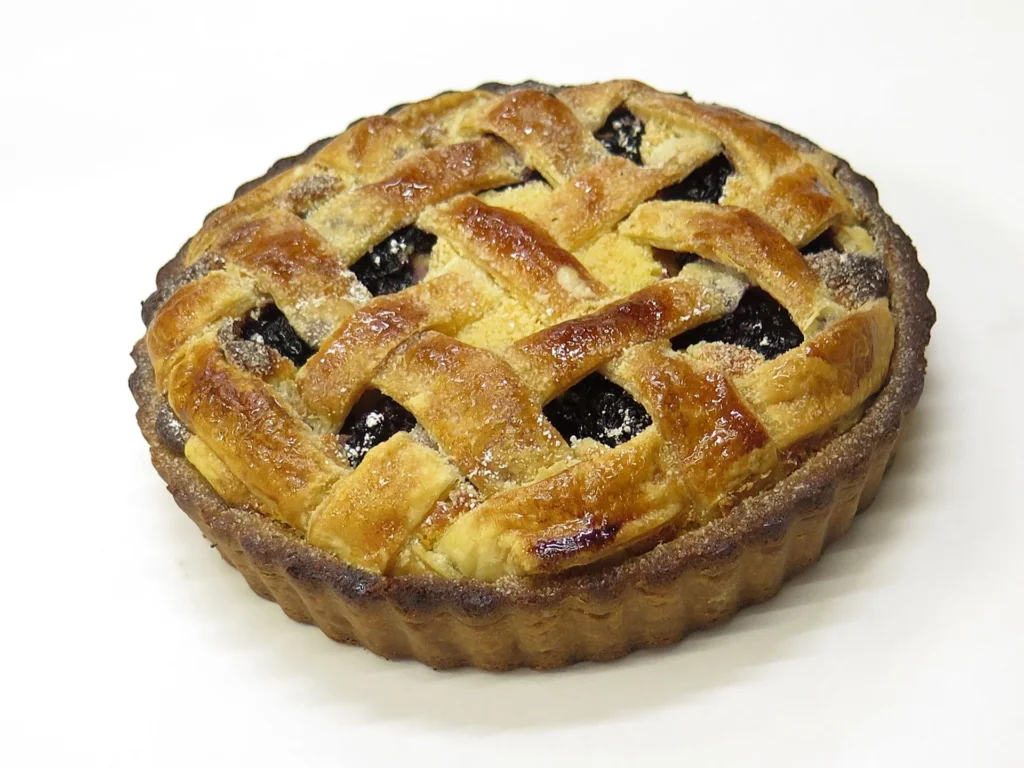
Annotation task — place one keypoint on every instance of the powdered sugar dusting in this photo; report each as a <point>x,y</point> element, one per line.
<point>208,263</point>
<point>854,278</point>
<point>252,355</point>
<point>171,429</point>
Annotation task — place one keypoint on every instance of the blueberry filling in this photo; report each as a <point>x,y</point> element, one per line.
<point>598,536</point>
<point>391,265</point>
<point>672,262</point>
<point>823,242</point>
<point>759,322</point>
<point>374,419</point>
<point>597,408</point>
<point>621,134</point>
<point>704,185</point>
<point>529,175</point>
<point>269,326</point>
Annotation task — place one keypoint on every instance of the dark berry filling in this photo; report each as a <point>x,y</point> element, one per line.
<point>598,536</point>
<point>621,134</point>
<point>391,265</point>
<point>672,262</point>
<point>374,419</point>
<point>704,185</point>
<point>529,175</point>
<point>269,326</point>
<point>823,242</point>
<point>597,408</point>
<point>759,322</point>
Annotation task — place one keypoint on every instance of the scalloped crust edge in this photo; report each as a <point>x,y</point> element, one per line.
<point>653,599</point>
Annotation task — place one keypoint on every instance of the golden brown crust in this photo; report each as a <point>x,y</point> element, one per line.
<point>191,310</point>
<point>517,253</point>
<point>473,404</point>
<point>346,611</point>
<point>599,197</point>
<point>546,133</point>
<point>400,476</point>
<point>356,220</point>
<point>812,386</point>
<point>346,362</point>
<point>786,188</point>
<point>261,441</point>
<point>737,238</point>
<point>291,262</point>
<point>552,360</point>
<point>714,440</point>
<point>539,529</point>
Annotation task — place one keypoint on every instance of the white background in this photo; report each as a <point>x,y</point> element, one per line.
<point>126,641</point>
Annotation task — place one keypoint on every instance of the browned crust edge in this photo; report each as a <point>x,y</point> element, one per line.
<point>652,599</point>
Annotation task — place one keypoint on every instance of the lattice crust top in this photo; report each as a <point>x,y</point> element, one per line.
<point>529,289</point>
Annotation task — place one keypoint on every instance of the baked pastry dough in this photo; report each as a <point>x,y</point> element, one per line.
<point>521,336</point>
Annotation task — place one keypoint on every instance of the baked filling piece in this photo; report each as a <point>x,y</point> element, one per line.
<point>517,333</point>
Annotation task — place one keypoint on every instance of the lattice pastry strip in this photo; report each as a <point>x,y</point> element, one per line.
<point>472,403</point>
<point>264,443</point>
<point>544,131</point>
<point>275,257</point>
<point>191,311</point>
<point>588,511</point>
<point>518,254</point>
<point>739,239</point>
<point>789,190</point>
<point>356,220</point>
<point>713,440</point>
<point>592,190</point>
<point>554,359</point>
<point>363,154</point>
<point>813,385</point>
<point>591,104</point>
<point>332,380</point>
<point>369,514</point>
<point>220,476</point>
<point>289,261</point>
<point>443,119</point>
<point>593,201</point>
